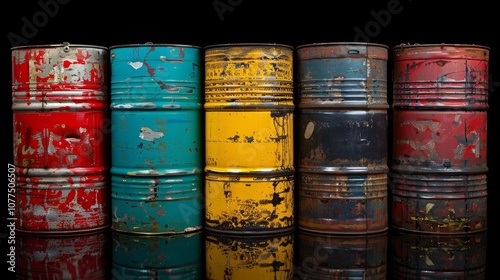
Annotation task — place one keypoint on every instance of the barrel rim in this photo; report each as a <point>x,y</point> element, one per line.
<point>429,45</point>
<point>150,44</point>
<point>62,45</point>
<point>323,44</point>
<point>248,44</point>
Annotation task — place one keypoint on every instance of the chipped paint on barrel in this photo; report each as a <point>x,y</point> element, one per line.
<point>342,137</point>
<point>84,255</point>
<point>249,108</point>
<point>156,171</point>
<point>439,161</point>
<point>249,204</point>
<point>249,257</point>
<point>249,159</point>
<point>174,256</point>
<point>335,256</point>
<point>61,134</point>
<point>432,256</point>
<point>438,203</point>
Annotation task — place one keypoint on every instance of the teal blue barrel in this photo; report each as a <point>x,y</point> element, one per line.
<point>156,144</point>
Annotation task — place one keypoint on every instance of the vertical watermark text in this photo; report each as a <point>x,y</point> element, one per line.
<point>11,218</point>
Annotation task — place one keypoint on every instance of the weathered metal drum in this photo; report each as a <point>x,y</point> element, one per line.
<point>342,138</point>
<point>249,204</point>
<point>84,255</point>
<point>61,134</point>
<point>249,257</point>
<point>249,155</point>
<point>156,150</point>
<point>438,256</point>
<point>328,256</point>
<point>439,161</point>
<point>172,256</point>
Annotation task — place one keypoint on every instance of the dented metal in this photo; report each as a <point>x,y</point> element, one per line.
<point>342,138</point>
<point>60,117</point>
<point>439,161</point>
<point>156,151</point>
<point>249,137</point>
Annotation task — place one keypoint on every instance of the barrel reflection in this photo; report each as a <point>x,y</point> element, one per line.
<point>326,256</point>
<point>69,256</point>
<point>249,257</point>
<point>172,256</point>
<point>438,256</point>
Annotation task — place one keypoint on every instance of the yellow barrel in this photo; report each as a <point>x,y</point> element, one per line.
<point>249,136</point>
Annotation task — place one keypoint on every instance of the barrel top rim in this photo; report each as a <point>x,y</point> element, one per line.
<point>62,45</point>
<point>248,44</point>
<point>402,46</point>
<point>148,44</point>
<point>342,44</point>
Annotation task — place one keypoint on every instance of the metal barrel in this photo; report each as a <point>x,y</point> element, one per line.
<point>249,137</point>
<point>171,256</point>
<point>156,151</point>
<point>438,256</point>
<point>84,255</point>
<point>265,256</point>
<point>61,137</point>
<point>439,162</point>
<point>342,138</point>
<point>335,256</point>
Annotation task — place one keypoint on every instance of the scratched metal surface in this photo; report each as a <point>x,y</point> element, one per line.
<point>342,138</point>
<point>60,137</point>
<point>156,150</point>
<point>439,161</point>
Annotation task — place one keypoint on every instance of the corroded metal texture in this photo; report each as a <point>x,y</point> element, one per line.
<point>327,256</point>
<point>249,204</point>
<point>347,204</point>
<point>440,103</point>
<point>439,203</point>
<point>342,137</point>
<point>173,256</point>
<point>249,108</point>
<point>61,137</point>
<point>431,256</point>
<point>85,255</point>
<point>249,159</point>
<point>249,257</point>
<point>156,151</point>
<point>439,161</point>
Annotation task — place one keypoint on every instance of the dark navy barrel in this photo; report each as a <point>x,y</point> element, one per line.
<point>342,137</point>
<point>156,150</point>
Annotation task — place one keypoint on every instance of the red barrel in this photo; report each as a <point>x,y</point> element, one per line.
<point>439,161</point>
<point>60,137</point>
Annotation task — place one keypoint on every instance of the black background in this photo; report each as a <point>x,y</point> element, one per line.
<point>203,23</point>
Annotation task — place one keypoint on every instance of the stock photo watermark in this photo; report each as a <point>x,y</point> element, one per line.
<point>11,219</point>
<point>223,6</point>
<point>30,26</point>
<point>381,19</point>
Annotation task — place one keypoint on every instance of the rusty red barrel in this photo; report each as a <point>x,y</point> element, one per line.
<point>342,138</point>
<point>439,161</point>
<point>60,116</point>
<point>438,256</point>
<point>84,255</point>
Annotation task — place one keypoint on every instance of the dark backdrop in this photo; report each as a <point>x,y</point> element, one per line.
<point>202,23</point>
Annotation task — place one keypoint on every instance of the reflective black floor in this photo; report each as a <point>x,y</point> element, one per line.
<point>298,254</point>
